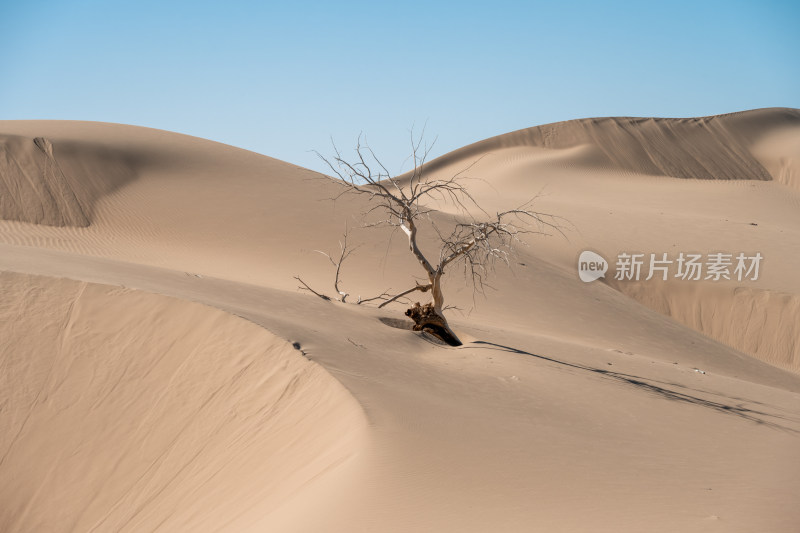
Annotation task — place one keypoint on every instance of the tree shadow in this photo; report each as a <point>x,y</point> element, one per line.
<point>656,387</point>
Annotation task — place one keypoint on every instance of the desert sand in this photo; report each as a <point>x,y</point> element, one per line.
<point>161,371</point>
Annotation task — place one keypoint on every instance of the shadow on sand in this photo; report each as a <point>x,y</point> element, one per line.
<point>656,387</point>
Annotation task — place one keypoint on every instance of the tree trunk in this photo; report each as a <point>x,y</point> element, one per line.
<point>429,317</point>
<point>426,319</point>
<point>436,292</point>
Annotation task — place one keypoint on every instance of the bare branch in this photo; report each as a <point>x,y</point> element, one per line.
<point>421,288</point>
<point>344,253</point>
<point>382,296</point>
<point>305,287</point>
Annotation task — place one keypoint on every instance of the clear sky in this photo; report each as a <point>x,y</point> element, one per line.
<point>281,78</point>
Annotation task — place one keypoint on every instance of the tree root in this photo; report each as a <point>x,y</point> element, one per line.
<point>427,319</point>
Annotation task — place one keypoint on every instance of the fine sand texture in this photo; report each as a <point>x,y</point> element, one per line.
<point>161,371</point>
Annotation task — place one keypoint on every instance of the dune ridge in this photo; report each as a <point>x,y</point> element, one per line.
<point>592,172</point>
<point>136,412</point>
<point>714,147</point>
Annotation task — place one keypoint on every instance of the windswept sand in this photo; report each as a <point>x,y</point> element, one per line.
<point>161,372</point>
<point>121,400</point>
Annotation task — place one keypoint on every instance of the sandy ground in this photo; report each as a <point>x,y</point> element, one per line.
<point>161,371</point>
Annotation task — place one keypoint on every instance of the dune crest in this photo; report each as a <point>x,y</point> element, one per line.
<point>609,177</point>
<point>709,148</point>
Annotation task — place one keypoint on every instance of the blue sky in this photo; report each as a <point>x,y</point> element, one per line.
<point>282,78</point>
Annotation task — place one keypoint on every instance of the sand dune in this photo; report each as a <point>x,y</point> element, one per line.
<point>615,208</point>
<point>133,412</point>
<point>715,148</point>
<point>161,371</point>
<point>762,323</point>
<point>56,187</point>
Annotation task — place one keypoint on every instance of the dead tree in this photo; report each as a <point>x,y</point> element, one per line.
<point>474,242</point>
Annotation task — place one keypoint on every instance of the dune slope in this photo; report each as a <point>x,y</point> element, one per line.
<point>604,178</point>
<point>128,411</point>
<point>514,431</point>
<point>715,147</point>
<point>56,187</point>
